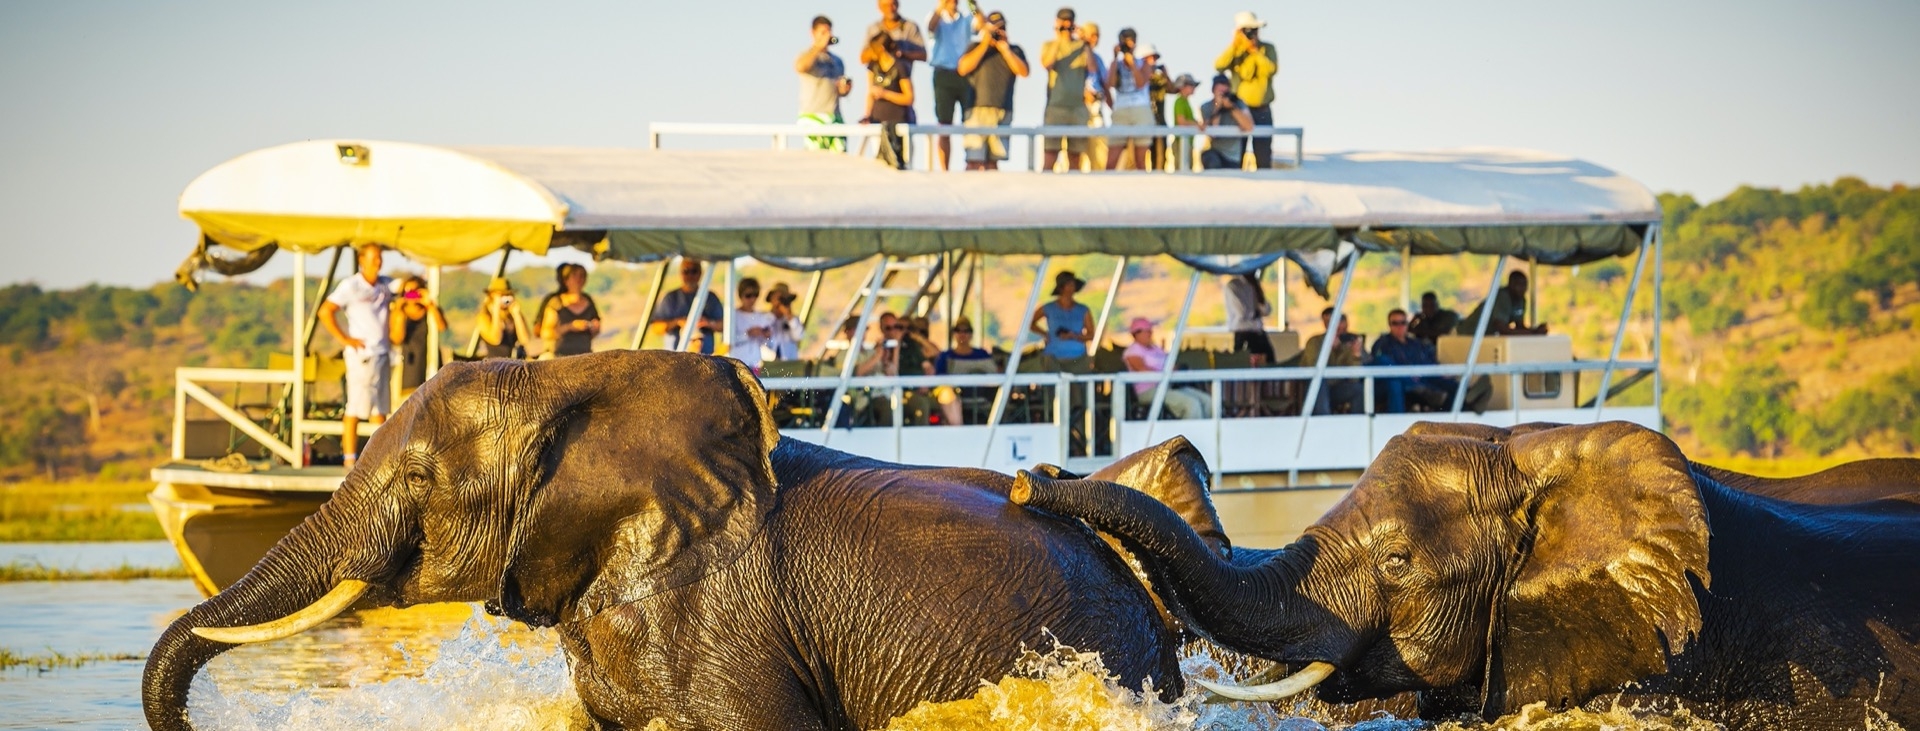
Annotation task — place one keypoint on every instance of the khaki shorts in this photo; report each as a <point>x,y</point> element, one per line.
<point>981,148</point>
<point>368,376</point>
<point>1132,117</point>
<point>1074,116</point>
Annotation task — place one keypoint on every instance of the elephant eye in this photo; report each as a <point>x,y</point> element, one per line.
<point>1396,563</point>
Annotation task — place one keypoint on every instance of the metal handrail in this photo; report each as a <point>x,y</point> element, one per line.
<point>780,132</point>
<point>1269,373</point>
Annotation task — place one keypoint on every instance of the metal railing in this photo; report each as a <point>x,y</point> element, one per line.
<point>1184,138</point>
<point>187,384</point>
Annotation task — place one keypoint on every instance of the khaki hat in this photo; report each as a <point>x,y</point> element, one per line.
<point>1246,19</point>
<point>499,285</point>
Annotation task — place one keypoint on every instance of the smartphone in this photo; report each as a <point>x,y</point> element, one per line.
<point>891,343</point>
<point>414,295</point>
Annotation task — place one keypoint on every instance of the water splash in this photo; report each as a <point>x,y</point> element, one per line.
<point>491,676</point>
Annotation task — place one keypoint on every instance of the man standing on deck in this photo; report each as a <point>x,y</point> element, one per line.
<point>991,65</point>
<point>1098,96</point>
<point>1066,59</point>
<point>952,31</point>
<point>676,309</point>
<point>1251,63</point>
<point>908,44</point>
<point>823,80</point>
<point>366,297</point>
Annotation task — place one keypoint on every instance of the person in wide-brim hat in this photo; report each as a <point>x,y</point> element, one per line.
<point>1066,324</point>
<point>1061,280</point>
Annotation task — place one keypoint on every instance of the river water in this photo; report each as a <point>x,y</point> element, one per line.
<point>451,667</point>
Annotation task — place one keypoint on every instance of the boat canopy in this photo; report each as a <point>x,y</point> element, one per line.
<point>804,209</point>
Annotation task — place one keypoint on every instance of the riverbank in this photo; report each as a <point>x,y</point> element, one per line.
<point>81,510</point>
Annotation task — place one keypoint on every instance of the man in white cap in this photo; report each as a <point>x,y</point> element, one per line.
<point>1251,63</point>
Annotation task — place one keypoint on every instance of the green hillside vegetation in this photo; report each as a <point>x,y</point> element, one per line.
<point>1789,330</point>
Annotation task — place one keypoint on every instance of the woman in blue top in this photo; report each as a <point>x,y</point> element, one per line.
<point>1068,325</point>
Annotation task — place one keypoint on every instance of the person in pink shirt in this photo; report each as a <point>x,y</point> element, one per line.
<point>1144,356</point>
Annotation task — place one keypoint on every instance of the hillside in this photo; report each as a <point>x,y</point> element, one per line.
<point>1790,329</point>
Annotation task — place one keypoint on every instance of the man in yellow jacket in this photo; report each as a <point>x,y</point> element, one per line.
<point>1251,63</point>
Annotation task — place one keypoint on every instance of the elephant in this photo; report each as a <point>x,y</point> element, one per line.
<point>1859,481</point>
<point>699,568</point>
<point>1565,566</point>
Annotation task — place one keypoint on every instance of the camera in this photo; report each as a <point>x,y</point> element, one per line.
<point>891,343</point>
<point>833,40</point>
<point>414,294</point>
<point>506,299</point>
<point>1249,32</point>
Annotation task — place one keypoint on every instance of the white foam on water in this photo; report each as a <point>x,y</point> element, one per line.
<point>479,680</point>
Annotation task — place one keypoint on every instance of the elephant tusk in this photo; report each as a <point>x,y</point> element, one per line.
<point>1292,685</point>
<point>336,601</point>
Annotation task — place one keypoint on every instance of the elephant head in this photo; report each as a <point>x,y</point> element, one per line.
<point>1547,566</point>
<point>548,490</point>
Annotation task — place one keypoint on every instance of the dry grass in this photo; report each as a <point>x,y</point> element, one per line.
<point>76,511</point>
<point>1779,467</point>
<point>51,660</point>
<point>41,572</point>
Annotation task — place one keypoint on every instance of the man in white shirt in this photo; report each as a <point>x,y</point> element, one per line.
<point>365,297</point>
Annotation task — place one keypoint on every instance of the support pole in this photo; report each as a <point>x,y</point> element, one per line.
<point>1406,279</point>
<point>1013,355</point>
<point>1285,325</point>
<point>1106,310</point>
<point>806,303</point>
<point>326,287</point>
<point>1173,356</point>
<point>1659,312</point>
<point>1479,336</point>
<point>728,305</point>
<point>980,305</point>
<point>852,355</point>
<point>1533,292</point>
<point>1320,363</point>
<point>433,323</point>
<point>473,343</point>
<point>690,332</point>
<point>299,407</point>
<point>652,301</point>
<point>1620,329</point>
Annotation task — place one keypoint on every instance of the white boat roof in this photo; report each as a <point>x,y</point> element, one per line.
<point>451,205</point>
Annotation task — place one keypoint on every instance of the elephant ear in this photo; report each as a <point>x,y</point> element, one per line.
<point>654,469</point>
<point>1175,473</point>
<point>1601,593</point>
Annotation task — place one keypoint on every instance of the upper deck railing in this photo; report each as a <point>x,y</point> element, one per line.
<point>1183,139</point>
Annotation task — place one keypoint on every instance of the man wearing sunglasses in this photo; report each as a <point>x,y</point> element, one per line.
<point>1400,347</point>
<point>1067,60</point>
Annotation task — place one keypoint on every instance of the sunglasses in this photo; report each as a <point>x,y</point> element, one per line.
<point>1396,323</point>
<point>896,328</point>
<point>963,332</point>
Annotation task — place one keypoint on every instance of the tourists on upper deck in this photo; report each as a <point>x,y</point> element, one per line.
<point>1144,356</point>
<point>1223,152</point>
<point>991,65</point>
<point>1158,86</point>
<point>500,322</point>
<point>889,98</point>
<point>1130,86</point>
<point>1251,63</point>
<point>785,343</point>
<point>569,321</point>
<point>1066,58</point>
<point>962,358</point>
<point>367,299</point>
<point>1247,310</point>
<point>752,329</point>
<point>953,33</point>
<point>1433,321</point>
<point>1509,311</point>
<point>672,313</point>
<point>823,80</point>
<point>1342,395</point>
<point>1066,324</point>
<point>409,330</point>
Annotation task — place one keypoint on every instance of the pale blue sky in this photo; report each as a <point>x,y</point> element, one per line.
<point>112,107</point>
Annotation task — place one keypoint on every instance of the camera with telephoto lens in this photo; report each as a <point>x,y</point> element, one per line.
<point>506,299</point>
<point>1249,32</point>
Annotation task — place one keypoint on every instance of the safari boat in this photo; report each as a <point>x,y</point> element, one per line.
<point>917,240</point>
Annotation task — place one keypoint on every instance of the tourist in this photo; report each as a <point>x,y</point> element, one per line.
<point>500,322</point>
<point>1247,310</point>
<point>962,358</point>
<point>1143,356</point>
<point>1251,63</point>
<point>908,44</point>
<point>785,342</point>
<point>367,298</point>
<point>1223,152</point>
<point>676,307</point>
<point>570,321</point>
<point>1157,88</point>
<point>895,355</point>
<point>952,33</point>
<point>823,81</point>
<point>1129,85</point>
<point>1338,395</point>
<point>1183,116</point>
<point>1433,320</point>
<point>1400,347</point>
<point>1066,58</point>
<point>991,65</point>
<point>1096,96</point>
<point>889,98</point>
<point>1066,324</point>
<point>752,329</point>
<point>1509,311</point>
<point>409,330</point>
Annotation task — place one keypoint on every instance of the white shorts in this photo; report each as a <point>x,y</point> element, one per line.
<point>981,148</point>
<point>1132,117</point>
<point>367,383</point>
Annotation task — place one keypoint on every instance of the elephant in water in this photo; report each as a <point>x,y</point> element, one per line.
<point>699,568</point>
<point>1561,566</point>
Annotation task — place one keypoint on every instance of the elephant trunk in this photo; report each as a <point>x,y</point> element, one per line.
<point>1252,607</point>
<point>300,580</point>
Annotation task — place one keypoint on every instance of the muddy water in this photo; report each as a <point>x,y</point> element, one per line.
<point>452,667</point>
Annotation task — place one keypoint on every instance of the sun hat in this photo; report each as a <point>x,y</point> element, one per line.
<point>778,290</point>
<point>1245,19</point>
<point>1185,80</point>
<point>499,285</point>
<point>1145,50</point>
<point>1139,324</point>
<point>1060,281</point>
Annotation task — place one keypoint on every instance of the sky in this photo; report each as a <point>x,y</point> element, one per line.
<point>112,107</point>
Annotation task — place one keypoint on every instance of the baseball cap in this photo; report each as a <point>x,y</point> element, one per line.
<point>997,18</point>
<point>1246,19</point>
<point>1064,14</point>
<point>1219,79</point>
<point>1126,33</point>
<point>1139,324</point>
<point>1184,80</point>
